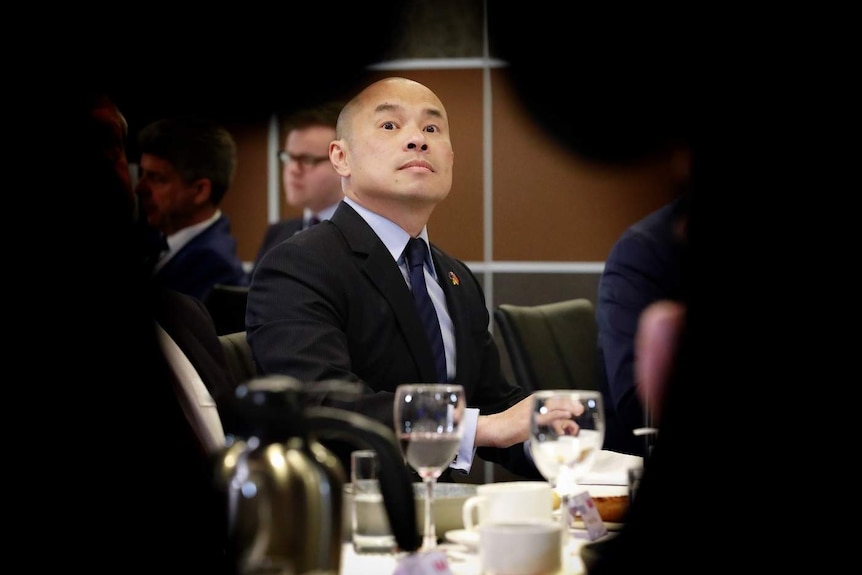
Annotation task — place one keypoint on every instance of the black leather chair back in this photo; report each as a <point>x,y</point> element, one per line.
<point>226,305</point>
<point>238,355</point>
<point>551,346</point>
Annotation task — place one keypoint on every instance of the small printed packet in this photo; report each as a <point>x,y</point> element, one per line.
<point>583,505</point>
<point>432,562</point>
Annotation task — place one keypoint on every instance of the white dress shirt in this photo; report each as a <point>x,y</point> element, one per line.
<point>177,240</point>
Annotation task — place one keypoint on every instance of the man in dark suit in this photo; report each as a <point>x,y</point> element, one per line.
<point>187,166</point>
<point>309,180</point>
<point>643,266</point>
<point>334,302</point>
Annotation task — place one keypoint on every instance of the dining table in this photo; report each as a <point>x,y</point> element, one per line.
<point>610,469</point>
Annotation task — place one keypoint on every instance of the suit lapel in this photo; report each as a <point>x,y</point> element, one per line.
<point>382,271</point>
<point>458,311</point>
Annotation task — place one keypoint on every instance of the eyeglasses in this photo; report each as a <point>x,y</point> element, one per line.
<point>305,160</point>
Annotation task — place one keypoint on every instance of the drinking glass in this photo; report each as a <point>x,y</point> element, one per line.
<point>567,430</point>
<point>428,426</point>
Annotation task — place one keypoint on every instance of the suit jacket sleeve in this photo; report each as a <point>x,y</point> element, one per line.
<point>311,315</point>
<point>641,268</point>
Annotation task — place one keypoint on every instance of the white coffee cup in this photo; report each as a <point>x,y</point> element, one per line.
<point>509,501</point>
<point>521,548</point>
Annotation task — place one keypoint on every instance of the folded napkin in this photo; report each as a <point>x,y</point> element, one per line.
<point>611,468</point>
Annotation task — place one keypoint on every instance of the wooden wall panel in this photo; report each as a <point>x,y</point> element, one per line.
<point>246,201</point>
<point>549,205</point>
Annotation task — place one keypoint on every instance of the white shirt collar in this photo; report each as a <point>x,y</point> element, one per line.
<point>177,240</point>
<point>391,234</point>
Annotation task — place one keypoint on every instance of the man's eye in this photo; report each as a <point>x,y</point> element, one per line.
<point>388,126</point>
<point>431,129</point>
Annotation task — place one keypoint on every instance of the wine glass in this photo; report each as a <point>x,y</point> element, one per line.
<point>428,426</point>
<point>567,430</point>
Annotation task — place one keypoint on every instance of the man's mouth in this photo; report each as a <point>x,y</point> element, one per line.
<point>418,164</point>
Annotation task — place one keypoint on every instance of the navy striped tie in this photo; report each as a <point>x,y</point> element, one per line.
<point>416,251</point>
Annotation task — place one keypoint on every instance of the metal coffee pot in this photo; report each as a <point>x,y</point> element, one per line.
<point>284,490</point>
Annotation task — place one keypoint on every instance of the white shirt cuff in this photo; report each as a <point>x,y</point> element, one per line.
<point>467,450</point>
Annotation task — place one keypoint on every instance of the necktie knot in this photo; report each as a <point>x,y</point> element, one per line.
<point>416,251</point>
<point>313,221</point>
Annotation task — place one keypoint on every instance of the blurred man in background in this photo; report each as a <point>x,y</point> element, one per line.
<point>309,180</point>
<point>187,166</point>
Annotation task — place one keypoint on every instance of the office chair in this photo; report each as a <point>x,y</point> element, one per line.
<point>551,346</point>
<point>226,305</point>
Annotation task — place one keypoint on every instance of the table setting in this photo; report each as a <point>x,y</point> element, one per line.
<point>461,546</point>
<point>513,527</point>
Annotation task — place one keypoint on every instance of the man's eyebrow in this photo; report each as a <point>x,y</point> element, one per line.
<point>433,112</point>
<point>387,108</point>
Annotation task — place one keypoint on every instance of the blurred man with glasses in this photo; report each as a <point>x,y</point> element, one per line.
<point>310,182</point>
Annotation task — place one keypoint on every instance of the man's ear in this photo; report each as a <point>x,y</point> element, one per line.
<point>203,190</point>
<point>338,157</point>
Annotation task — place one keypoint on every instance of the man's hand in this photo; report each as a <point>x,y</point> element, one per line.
<point>513,425</point>
<point>507,427</point>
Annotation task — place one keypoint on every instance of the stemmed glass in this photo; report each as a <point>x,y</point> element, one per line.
<point>428,426</point>
<point>567,430</point>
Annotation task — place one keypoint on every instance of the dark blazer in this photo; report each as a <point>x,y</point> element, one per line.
<point>643,266</point>
<point>331,303</point>
<point>209,258</point>
<point>276,233</point>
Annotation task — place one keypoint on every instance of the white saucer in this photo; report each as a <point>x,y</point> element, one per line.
<point>468,538</point>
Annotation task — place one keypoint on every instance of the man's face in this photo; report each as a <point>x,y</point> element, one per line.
<point>308,176</point>
<point>168,203</point>
<point>400,148</point>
